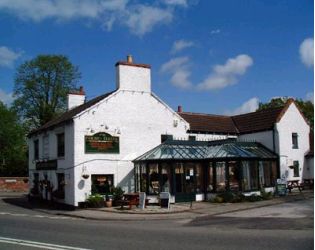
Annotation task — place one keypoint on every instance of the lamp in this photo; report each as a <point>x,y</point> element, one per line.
<point>85,174</point>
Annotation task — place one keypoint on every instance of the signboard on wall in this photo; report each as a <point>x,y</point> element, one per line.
<point>102,143</point>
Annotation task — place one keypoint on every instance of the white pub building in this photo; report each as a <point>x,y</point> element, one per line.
<point>130,138</point>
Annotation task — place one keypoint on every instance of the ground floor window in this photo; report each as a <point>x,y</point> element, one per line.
<point>296,171</point>
<point>102,184</point>
<point>220,176</point>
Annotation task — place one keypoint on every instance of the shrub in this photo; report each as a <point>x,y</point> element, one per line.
<point>266,195</point>
<point>96,200</point>
<point>253,198</point>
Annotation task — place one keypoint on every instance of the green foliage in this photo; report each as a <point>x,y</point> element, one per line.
<point>13,150</point>
<point>307,107</point>
<point>239,197</point>
<point>96,200</point>
<point>118,193</point>
<point>41,87</point>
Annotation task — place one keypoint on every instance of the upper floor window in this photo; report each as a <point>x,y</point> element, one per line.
<point>61,145</point>
<point>296,170</point>
<point>295,140</point>
<point>36,149</point>
<point>46,146</point>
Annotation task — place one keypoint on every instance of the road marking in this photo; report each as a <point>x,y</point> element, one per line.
<point>42,216</point>
<point>37,244</point>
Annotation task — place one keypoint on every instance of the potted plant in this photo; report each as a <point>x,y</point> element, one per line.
<point>95,201</point>
<point>108,200</point>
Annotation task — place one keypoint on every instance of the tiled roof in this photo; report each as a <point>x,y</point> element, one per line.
<point>257,121</point>
<point>68,115</point>
<point>209,123</point>
<point>238,124</point>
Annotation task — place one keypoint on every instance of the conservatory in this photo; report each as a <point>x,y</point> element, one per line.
<point>195,170</point>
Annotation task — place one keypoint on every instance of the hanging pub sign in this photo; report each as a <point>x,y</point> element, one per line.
<point>102,143</point>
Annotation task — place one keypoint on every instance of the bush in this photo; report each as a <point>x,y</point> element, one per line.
<point>96,200</point>
<point>266,195</point>
<point>253,198</point>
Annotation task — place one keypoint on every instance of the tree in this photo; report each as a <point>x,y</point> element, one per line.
<point>13,150</point>
<point>41,87</point>
<point>307,107</point>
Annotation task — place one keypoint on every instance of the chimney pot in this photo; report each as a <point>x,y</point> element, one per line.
<point>180,109</point>
<point>129,59</point>
<point>81,90</point>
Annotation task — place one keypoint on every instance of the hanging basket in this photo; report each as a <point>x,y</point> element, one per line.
<point>85,176</point>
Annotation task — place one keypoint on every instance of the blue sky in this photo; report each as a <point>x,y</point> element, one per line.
<point>218,57</point>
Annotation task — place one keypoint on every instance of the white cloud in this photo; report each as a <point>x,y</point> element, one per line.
<point>7,56</point>
<point>227,74</point>
<point>142,19</point>
<point>179,69</point>
<point>139,18</point>
<point>249,106</point>
<point>6,98</point>
<point>307,52</point>
<point>180,45</point>
<point>310,97</point>
<point>182,3</point>
<point>217,31</point>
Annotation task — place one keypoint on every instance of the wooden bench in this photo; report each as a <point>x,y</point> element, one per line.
<point>131,202</point>
<point>294,184</point>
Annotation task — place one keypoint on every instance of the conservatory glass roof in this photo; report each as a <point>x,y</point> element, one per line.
<point>201,150</point>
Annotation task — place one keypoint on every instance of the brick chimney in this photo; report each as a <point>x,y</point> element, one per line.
<point>180,109</point>
<point>75,98</point>
<point>133,76</point>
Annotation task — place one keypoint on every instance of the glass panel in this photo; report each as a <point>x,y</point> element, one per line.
<point>210,184</point>
<point>154,184</point>
<point>189,178</point>
<point>166,184</point>
<point>179,177</point>
<point>253,167</point>
<point>234,176</point>
<point>137,177</point>
<point>273,173</point>
<point>199,178</point>
<point>221,176</point>
<point>265,176</point>
<point>246,177</point>
<point>143,181</point>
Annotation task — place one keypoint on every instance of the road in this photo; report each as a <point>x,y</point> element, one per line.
<point>285,226</point>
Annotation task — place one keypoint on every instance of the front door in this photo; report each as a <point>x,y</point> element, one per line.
<point>184,182</point>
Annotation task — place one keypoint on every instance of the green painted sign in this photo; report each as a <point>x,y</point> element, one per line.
<point>102,143</point>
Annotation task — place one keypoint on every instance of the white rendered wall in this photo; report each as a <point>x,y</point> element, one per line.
<point>65,164</point>
<point>265,138</point>
<point>74,100</point>
<point>292,122</point>
<point>210,137</point>
<point>133,78</point>
<point>140,119</point>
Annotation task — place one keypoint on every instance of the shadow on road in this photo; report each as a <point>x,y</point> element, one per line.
<point>24,202</point>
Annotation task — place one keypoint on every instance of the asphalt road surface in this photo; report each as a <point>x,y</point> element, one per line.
<point>22,228</point>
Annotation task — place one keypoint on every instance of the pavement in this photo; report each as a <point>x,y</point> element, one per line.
<point>176,211</point>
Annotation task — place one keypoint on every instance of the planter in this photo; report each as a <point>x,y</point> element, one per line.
<point>108,203</point>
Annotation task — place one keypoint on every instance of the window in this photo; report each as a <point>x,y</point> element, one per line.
<point>154,183</point>
<point>296,170</point>
<point>166,137</point>
<point>295,140</point>
<point>102,184</point>
<point>250,175</point>
<point>46,146</point>
<point>191,138</point>
<point>61,145</point>
<point>36,149</point>
<point>220,177</point>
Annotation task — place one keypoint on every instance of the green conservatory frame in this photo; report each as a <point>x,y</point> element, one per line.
<point>187,168</point>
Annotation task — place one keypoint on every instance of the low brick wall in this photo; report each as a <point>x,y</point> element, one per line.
<point>13,184</point>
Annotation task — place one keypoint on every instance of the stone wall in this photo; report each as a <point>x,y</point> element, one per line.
<point>13,184</point>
